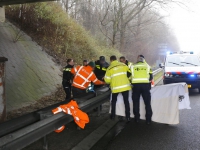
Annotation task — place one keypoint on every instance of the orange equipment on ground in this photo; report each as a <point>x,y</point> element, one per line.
<point>71,108</point>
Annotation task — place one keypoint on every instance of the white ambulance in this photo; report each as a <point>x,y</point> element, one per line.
<point>182,67</point>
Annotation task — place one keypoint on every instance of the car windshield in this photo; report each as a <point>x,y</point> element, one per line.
<point>182,61</point>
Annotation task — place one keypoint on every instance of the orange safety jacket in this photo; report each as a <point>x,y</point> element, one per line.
<point>72,108</point>
<point>83,75</point>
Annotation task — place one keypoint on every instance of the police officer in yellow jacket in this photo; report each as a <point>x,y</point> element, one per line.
<point>141,77</point>
<point>116,76</point>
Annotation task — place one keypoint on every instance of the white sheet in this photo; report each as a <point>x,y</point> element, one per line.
<point>164,102</point>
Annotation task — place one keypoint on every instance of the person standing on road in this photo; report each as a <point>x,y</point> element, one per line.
<point>67,78</point>
<point>100,67</point>
<point>116,76</point>
<point>83,76</point>
<point>152,81</point>
<point>141,77</point>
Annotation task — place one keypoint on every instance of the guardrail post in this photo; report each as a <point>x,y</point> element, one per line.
<point>45,144</point>
<point>2,89</point>
<point>99,108</point>
<point>44,115</point>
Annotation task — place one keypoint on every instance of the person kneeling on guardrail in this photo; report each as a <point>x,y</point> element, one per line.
<point>83,76</point>
<point>141,77</point>
<point>116,76</point>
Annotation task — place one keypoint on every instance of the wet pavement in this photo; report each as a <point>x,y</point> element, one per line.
<point>184,136</point>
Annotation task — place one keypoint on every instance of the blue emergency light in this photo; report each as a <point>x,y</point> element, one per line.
<point>192,75</point>
<point>168,52</point>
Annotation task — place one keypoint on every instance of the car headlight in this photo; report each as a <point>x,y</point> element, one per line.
<point>168,75</point>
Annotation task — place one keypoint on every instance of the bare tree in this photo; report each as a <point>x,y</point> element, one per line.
<point>116,16</point>
<point>129,25</point>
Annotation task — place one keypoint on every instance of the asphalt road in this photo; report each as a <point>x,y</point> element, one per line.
<point>139,136</point>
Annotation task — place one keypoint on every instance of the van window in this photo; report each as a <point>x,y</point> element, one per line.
<point>182,61</point>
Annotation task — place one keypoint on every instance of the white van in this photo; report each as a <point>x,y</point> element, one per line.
<point>182,67</point>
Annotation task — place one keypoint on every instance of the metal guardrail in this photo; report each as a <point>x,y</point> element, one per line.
<point>33,132</point>
<point>157,71</point>
<point>29,134</point>
<point>25,120</point>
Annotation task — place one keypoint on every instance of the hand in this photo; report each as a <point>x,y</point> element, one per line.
<point>103,83</point>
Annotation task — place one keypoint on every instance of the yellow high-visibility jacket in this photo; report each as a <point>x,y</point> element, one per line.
<point>116,76</point>
<point>129,64</point>
<point>140,73</point>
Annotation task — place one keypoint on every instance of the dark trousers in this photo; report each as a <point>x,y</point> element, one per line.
<point>77,92</point>
<point>67,88</point>
<point>126,103</point>
<point>144,90</point>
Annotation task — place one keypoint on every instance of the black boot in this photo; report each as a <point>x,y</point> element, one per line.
<point>137,120</point>
<point>112,117</point>
<point>128,119</point>
<point>148,121</point>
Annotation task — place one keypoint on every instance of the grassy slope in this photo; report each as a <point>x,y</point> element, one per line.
<point>56,32</point>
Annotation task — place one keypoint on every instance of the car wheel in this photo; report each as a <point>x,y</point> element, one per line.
<point>164,82</point>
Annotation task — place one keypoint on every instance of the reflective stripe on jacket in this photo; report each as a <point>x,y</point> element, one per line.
<point>140,73</point>
<point>99,67</point>
<point>67,75</point>
<point>129,65</point>
<point>116,76</point>
<point>83,76</point>
<point>67,69</point>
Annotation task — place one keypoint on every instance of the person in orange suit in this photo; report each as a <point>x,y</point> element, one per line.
<point>83,76</point>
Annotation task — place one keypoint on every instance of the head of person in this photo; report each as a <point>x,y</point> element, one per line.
<point>140,58</point>
<point>102,59</point>
<point>70,61</point>
<point>85,62</point>
<point>91,64</point>
<point>113,58</point>
<point>122,59</point>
